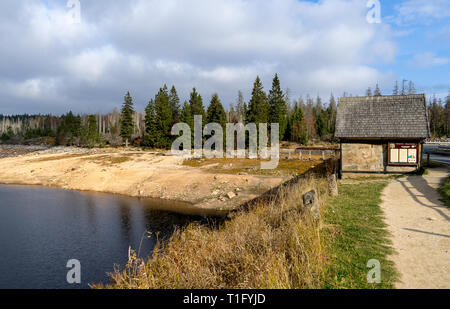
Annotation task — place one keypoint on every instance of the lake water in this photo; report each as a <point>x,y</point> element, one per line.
<point>41,229</point>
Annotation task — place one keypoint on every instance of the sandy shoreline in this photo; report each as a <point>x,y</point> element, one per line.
<point>131,172</point>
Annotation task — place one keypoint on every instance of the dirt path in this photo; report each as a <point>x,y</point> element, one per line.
<point>420,225</point>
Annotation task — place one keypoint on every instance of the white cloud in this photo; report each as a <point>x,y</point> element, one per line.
<point>217,46</point>
<point>422,10</point>
<point>91,65</point>
<point>36,88</point>
<point>428,60</point>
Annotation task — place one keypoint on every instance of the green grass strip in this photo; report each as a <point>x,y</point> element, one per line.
<point>444,190</point>
<point>358,235</point>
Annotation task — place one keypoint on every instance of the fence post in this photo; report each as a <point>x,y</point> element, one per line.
<point>332,185</point>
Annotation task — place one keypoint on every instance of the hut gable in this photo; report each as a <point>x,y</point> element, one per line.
<point>403,116</point>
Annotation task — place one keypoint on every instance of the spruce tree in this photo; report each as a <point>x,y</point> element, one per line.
<point>320,125</point>
<point>126,118</point>
<point>186,117</point>
<point>150,125</point>
<point>258,107</point>
<point>278,107</point>
<point>369,92</point>
<point>331,115</point>
<point>241,107</point>
<point>186,114</point>
<point>163,119</point>
<point>296,123</point>
<point>92,130</point>
<point>216,113</point>
<point>196,105</point>
<point>174,102</point>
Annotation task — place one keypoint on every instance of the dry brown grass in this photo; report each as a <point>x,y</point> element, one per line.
<point>56,158</point>
<point>107,160</point>
<point>274,246</point>
<point>251,166</point>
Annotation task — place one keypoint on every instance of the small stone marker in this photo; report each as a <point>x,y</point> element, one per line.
<point>332,185</point>
<point>311,203</point>
<point>231,195</point>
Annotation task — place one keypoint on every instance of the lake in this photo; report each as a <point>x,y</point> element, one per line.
<point>41,229</point>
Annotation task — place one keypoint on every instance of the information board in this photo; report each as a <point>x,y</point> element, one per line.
<point>403,153</point>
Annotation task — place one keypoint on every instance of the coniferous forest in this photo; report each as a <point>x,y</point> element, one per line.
<point>301,120</point>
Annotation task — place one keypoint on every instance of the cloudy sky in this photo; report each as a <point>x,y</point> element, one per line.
<point>51,63</point>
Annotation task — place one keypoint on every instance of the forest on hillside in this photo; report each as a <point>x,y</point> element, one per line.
<point>301,120</point>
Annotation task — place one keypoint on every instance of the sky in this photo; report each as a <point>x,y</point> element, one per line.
<point>53,59</point>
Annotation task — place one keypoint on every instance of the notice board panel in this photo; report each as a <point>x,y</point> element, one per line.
<point>403,153</point>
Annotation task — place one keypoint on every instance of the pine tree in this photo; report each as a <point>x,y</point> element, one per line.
<point>320,125</point>
<point>377,92</point>
<point>163,121</point>
<point>258,107</point>
<point>395,92</point>
<point>331,115</point>
<point>186,117</point>
<point>69,130</point>
<point>92,130</point>
<point>150,125</point>
<point>196,105</point>
<point>241,107</point>
<point>126,118</point>
<point>277,106</point>
<point>296,121</point>
<point>216,112</point>
<point>174,102</point>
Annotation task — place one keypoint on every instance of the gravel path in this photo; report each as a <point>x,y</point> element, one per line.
<point>420,226</point>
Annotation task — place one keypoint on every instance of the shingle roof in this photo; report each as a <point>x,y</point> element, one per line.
<point>403,116</point>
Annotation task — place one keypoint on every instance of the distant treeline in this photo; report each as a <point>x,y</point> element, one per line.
<point>301,120</point>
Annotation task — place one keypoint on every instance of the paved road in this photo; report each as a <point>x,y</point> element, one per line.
<point>437,157</point>
<point>420,228</point>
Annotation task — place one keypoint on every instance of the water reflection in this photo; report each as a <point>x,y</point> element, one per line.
<point>42,228</point>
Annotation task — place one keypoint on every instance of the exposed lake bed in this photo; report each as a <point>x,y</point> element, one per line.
<point>92,205</point>
<point>137,173</point>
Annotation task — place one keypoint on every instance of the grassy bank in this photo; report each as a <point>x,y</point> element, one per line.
<point>354,235</point>
<point>444,190</point>
<point>275,246</point>
<point>272,246</point>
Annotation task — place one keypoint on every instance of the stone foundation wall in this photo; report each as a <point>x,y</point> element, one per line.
<point>371,158</point>
<point>401,169</point>
<point>363,157</point>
